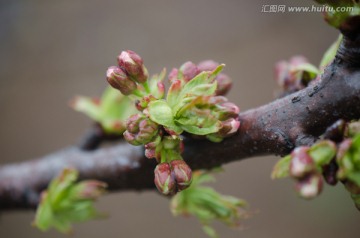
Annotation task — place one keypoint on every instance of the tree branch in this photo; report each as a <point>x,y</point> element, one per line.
<point>275,128</point>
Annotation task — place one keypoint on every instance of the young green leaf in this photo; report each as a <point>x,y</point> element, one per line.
<point>323,152</point>
<point>281,168</point>
<point>161,113</point>
<point>330,53</point>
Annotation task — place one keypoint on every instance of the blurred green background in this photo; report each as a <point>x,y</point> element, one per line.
<point>54,50</point>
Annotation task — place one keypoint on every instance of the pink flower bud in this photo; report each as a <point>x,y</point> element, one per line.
<point>228,110</point>
<point>118,79</point>
<point>207,65</point>
<point>164,180</point>
<point>301,163</point>
<point>228,127</point>
<point>144,102</point>
<point>90,189</point>
<point>160,90</point>
<point>224,84</point>
<point>173,75</point>
<point>140,130</point>
<point>310,186</point>
<point>189,70</point>
<point>182,173</point>
<point>133,65</point>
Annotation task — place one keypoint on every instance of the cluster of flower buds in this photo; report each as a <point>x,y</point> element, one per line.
<point>193,104</point>
<point>129,75</point>
<point>303,168</point>
<point>189,70</point>
<point>228,115</point>
<point>140,130</point>
<point>67,201</point>
<point>173,176</point>
<point>295,74</point>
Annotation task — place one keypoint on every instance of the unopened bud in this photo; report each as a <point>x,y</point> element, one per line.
<point>160,90</point>
<point>118,79</point>
<point>310,186</point>
<point>144,102</point>
<point>207,65</point>
<point>301,163</point>
<point>90,189</point>
<point>182,173</point>
<point>228,110</point>
<point>150,149</point>
<point>164,180</point>
<point>229,127</point>
<point>173,75</point>
<point>133,64</point>
<point>224,84</point>
<point>189,70</point>
<point>140,130</point>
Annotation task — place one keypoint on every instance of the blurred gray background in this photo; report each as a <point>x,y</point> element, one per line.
<point>53,50</point>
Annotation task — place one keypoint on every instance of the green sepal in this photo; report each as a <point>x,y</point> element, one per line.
<point>201,130</point>
<point>330,53</point>
<point>323,152</point>
<point>154,80</point>
<point>111,111</point>
<point>281,168</point>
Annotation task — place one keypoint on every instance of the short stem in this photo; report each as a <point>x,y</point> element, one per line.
<point>146,87</point>
<point>138,93</point>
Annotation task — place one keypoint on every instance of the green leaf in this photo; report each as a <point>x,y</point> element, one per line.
<point>161,113</point>
<point>208,205</point>
<point>173,93</point>
<point>208,230</point>
<point>337,18</point>
<point>67,201</point>
<point>330,53</point>
<point>281,168</point>
<point>201,131</point>
<point>216,71</point>
<point>323,152</point>
<point>354,177</point>
<point>155,79</point>
<point>87,106</point>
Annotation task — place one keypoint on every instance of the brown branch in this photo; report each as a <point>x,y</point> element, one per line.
<point>275,128</point>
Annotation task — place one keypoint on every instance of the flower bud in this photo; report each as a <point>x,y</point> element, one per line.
<point>150,149</point>
<point>224,84</point>
<point>90,189</point>
<point>229,127</point>
<point>164,180</point>
<point>160,90</point>
<point>228,110</point>
<point>144,102</point>
<point>140,130</point>
<point>189,70</point>
<point>173,75</point>
<point>133,64</point>
<point>301,162</point>
<point>310,186</point>
<point>182,173</point>
<point>289,76</point>
<point>118,79</point>
<point>207,65</point>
